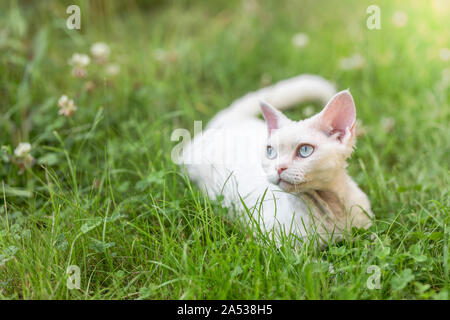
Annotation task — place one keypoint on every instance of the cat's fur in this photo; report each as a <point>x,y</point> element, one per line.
<point>292,194</point>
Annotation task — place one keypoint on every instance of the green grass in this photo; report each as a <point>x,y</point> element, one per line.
<point>104,194</point>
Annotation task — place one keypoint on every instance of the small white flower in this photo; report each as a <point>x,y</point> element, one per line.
<point>444,54</point>
<point>300,40</point>
<point>112,69</point>
<point>63,100</point>
<point>79,60</point>
<point>100,51</point>
<point>355,61</point>
<point>22,150</point>
<point>66,106</point>
<point>23,157</point>
<point>399,19</point>
<point>308,111</point>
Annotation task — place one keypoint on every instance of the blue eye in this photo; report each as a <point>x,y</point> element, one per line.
<point>270,152</point>
<point>305,150</point>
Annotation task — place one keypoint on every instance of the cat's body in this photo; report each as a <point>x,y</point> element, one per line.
<point>286,192</point>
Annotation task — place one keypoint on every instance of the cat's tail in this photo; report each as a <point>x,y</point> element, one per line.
<point>281,95</point>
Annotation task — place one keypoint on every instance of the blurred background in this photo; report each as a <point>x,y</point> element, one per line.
<point>170,52</point>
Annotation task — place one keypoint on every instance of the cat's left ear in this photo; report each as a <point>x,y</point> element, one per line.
<point>274,118</point>
<point>339,116</point>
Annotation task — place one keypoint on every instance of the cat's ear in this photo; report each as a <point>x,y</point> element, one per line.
<point>339,116</point>
<point>274,118</point>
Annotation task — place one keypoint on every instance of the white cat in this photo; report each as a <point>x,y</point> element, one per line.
<point>290,175</point>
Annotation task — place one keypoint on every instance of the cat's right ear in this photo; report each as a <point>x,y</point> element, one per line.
<point>274,118</point>
<point>339,116</point>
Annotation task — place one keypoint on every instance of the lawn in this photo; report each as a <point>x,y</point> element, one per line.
<point>97,189</point>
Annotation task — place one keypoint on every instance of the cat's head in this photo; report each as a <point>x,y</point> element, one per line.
<point>308,154</point>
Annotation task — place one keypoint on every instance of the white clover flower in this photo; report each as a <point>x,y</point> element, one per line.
<point>63,100</point>
<point>100,51</point>
<point>23,157</point>
<point>355,61</point>
<point>66,106</point>
<point>112,69</point>
<point>300,40</point>
<point>444,54</point>
<point>79,60</point>
<point>22,150</point>
<point>399,19</point>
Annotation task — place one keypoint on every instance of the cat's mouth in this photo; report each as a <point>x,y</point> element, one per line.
<point>286,184</point>
<point>289,185</point>
<point>281,181</point>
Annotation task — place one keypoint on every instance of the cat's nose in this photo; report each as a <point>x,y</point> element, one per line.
<point>281,169</point>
